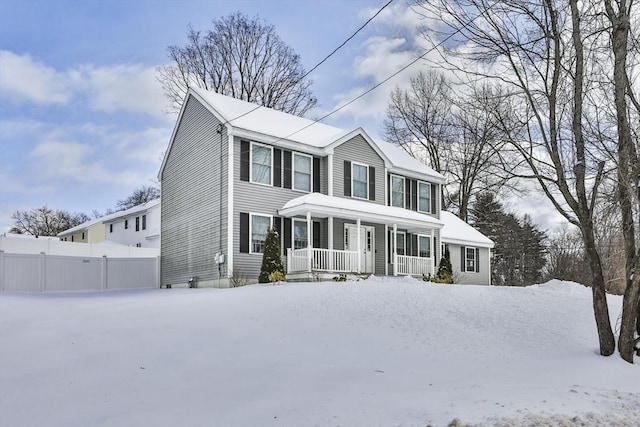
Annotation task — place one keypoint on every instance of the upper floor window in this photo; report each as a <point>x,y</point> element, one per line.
<point>83,235</point>
<point>424,246</point>
<point>259,227</point>
<point>300,234</point>
<point>144,222</point>
<point>137,223</point>
<point>424,197</point>
<point>110,228</point>
<point>126,224</point>
<point>360,181</point>
<point>261,163</point>
<point>302,172</point>
<point>397,191</point>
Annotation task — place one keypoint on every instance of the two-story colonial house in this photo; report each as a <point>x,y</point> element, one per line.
<point>341,201</point>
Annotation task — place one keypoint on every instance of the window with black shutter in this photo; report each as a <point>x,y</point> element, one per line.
<point>347,178</point>
<point>372,183</point>
<point>316,174</point>
<point>277,167</point>
<point>287,169</point>
<point>316,234</point>
<point>244,232</point>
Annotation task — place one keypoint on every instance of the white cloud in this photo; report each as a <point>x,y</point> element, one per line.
<point>26,80</point>
<point>129,88</point>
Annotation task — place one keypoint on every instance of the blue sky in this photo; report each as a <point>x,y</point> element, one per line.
<point>82,119</point>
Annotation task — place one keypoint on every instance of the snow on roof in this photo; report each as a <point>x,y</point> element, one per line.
<point>402,160</point>
<point>110,217</point>
<point>459,232</point>
<point>267,121</point>
<point>321,204</point>
<point>249,116</point>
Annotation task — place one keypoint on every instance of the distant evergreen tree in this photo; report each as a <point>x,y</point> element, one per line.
<point>519,252</point>
<point>445,271</point>
<point>271,260</point>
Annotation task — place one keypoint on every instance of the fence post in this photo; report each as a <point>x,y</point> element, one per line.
<point>103,282</point>
<point>1,270</point>
<point>43,271</point>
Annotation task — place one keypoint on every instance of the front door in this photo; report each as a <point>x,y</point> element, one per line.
<point>367,244</point>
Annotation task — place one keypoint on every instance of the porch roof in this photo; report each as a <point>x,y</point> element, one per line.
<point>322,206</point>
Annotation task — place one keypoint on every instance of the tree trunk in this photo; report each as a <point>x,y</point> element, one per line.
<point>600,308</point>
<point>627,182</point>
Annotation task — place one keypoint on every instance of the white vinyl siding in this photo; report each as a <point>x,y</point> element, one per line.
<point>302,172</point>
<point>424,197</point>
<point>261,163</point>
<point>360,181</point>
<point>397,191</point>
<point>259,225</point>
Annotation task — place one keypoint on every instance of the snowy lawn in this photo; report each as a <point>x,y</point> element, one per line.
<point>380,352</point>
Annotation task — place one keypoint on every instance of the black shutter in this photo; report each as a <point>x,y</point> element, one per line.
<point>287,233</point>
<point>287,169</point>
<point>414,195</point>
<point>389,192</point>
<point>244,232</point>
<point>414,245</point>
<point>462,260</point>
<point>277,167</point>
<point>372,183</point>
<point>316,234</point>
<point>277,226</point>
<point>245,151</point>
<point>347,178</point>
<point>477,260</point>
<point>407,193</point>
<point>433,198</point>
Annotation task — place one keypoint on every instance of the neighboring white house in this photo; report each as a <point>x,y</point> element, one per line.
<point>138,226</point>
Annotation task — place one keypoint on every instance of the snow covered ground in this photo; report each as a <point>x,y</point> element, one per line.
<point>380,352</point>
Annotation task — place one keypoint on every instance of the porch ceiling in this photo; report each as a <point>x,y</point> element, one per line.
<point>323,206</point>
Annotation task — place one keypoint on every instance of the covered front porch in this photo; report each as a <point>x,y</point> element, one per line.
<point>361,238</point>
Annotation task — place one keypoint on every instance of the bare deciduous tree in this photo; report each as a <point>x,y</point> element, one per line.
<point>240,57</point>
<point>139,196</point>
<point>453,133</point>
<point>536,50</point>
<point>45,221</point>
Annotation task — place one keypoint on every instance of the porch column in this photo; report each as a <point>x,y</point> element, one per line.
<point>330,242</point>
<point>359,246</point>
<point>394,245</point>
<point>309,241</point>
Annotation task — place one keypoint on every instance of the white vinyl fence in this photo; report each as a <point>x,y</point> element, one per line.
<point>65,266</point>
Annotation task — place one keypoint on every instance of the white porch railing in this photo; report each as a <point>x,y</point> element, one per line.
<point>330,260</point>
<point>413,265</point>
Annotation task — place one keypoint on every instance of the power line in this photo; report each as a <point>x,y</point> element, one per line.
<point>323,61</point>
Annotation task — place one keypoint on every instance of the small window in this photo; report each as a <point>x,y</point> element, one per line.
<point>470,259</point>
<point>144,222</point>
<point>126,224</point>
<point>424,246</point>
<point>83,235</point>
<point>72,238</point>
<point>424,197</point>
<point>138,245</point>
<point>259,228</point>
<point>299,234</point>
<point>110,228</point>
<point>301,172</point>
<point>400,243</point>
<point>137,223</point>
<point>397,191</point>
<point>360,181</point>
<point>260,164</point>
